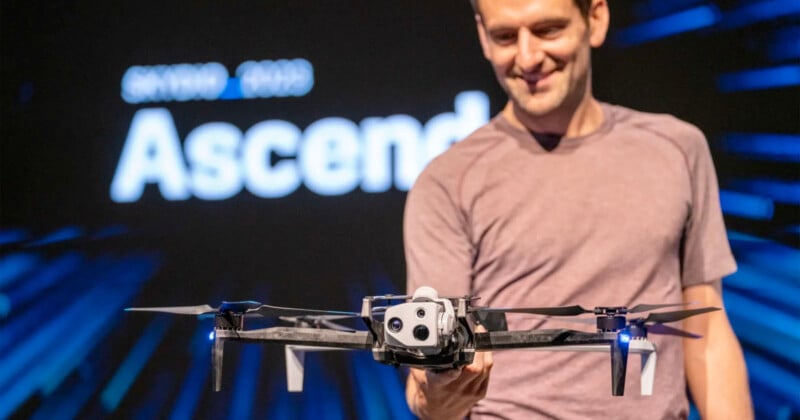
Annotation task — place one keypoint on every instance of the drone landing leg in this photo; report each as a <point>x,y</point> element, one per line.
<point>619,365</point>
<point>216,360</point>
<point>295,361</point>
<point>648,372</point>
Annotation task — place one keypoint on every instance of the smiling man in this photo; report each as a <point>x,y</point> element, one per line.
<point>561,200</point>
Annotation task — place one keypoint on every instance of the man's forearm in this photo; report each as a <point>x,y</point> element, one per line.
<point>715,368</point>
<point>419,405</point>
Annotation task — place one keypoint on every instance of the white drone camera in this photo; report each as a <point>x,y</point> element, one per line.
<point>424,323</point>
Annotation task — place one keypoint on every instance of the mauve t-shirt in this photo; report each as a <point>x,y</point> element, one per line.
<point>627,214</point>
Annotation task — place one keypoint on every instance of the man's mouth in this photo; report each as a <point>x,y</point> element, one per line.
<point>534,78</point>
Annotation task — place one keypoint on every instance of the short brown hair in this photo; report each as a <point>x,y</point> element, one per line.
<point>583,6</point>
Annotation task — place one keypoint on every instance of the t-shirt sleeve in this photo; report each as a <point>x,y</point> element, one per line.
<point>438,250</point>
<point>706,255</point>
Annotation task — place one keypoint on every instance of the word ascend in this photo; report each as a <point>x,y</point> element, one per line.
<point>333,156</point>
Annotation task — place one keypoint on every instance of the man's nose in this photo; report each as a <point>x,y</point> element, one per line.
<point>529,51</point>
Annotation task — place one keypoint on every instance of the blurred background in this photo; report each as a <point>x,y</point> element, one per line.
<point>188,152</point>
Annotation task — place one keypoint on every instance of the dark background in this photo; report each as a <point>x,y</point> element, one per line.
<point>70,253</point>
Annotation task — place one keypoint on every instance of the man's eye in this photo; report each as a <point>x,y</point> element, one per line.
<point>504,37</point>
<point>549,32</point>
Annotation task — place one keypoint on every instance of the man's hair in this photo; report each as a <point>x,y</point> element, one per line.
<point>583,6</point>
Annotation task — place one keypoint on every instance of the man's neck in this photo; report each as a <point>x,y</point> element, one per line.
<point>585,118</point>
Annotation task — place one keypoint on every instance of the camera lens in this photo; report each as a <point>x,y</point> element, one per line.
<point>420,313</point>
<point>395,324</point>
<point>421,332</point>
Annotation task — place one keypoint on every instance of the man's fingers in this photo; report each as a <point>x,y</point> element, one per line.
<point>442,378</point>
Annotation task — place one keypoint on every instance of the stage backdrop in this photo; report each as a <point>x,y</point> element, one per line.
<point>188,152</point>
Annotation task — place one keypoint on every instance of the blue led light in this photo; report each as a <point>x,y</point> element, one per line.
<point>746,205</point>
<point>688,20</point>
<point>757,79</point>
<point>624,338</point>
<point>211,336</point>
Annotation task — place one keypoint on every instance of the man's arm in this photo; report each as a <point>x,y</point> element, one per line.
<point>450,394</point>
<point>715,367</point>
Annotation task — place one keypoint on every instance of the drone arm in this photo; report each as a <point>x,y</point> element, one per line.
<point>499,340</point>
<point>357,340</point>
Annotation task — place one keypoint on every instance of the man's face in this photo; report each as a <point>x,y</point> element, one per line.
<point>540,51</point>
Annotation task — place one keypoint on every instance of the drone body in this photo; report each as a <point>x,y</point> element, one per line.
<point>431,332</point>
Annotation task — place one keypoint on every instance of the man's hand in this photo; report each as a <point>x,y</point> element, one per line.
<point>449,394</point>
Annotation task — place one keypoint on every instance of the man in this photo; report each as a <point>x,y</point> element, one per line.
<point>564,200</point>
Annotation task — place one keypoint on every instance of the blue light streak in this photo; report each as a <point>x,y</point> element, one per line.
<point>777,379</point>
<point>132,365</point>
<point>624,338</point>
<point>769,256</point>
<point>753,321</point>
<point>37,362</point>
<point>157,396</point>
<point>43,278</point>
<point>29,319</point>
<point>110,231</point>
<point>759,79</point>
<point>60,235</point>
<point>246,387</point>
<point>33,364</point>
<point>786,192</point>
<point>11,236</point>
<point>196,379</point>
<point>376,387</point>
<point>67,403</point>
<point>756,12</point>
<point>688,20</point>
<point>649,9</point>
<point>783,292</point>
<point>125,282</point>
<point>775,147</point>
<point>784,44</point>
<point>14,266</point>
<point>746,205</point>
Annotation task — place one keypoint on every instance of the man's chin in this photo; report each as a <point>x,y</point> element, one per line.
<point>533,109</point>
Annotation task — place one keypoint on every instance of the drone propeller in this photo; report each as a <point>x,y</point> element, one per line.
<point>247,307</point>
<point>278,311</point>
<point>551,311</point>
<point>665,317</point>
<point>575,309</point>
<point>241,306</point>
<point>651,307</point>
<point>653,323</point>
<point>667,330</point>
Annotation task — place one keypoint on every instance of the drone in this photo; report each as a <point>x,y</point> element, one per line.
<point>426,331</point>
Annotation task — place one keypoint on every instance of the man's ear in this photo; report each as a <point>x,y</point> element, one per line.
<point>482,35</point>
<point>598,22</point>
